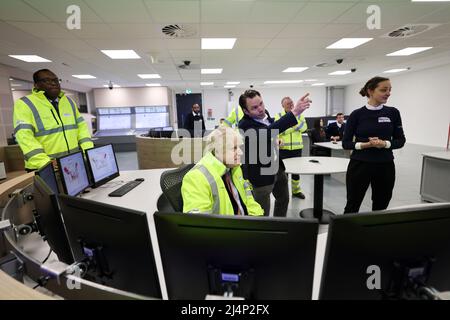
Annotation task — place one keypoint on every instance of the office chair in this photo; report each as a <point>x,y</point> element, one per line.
<point>170,182</point>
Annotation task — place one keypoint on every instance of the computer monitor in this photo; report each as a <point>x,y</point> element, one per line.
<point>74,176</point>
<point>114,242</point>
<point>102,164</point>
<point>387,255</point>
<point>252,257</point>
<point>47,173</point>
<point>49,221</point>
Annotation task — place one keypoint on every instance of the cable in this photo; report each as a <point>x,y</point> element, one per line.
<point>42,281</point>
<point>48,256</point>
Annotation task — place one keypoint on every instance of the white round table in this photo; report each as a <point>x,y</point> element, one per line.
<point>317,166</point>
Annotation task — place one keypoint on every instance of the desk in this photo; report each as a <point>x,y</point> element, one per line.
<point>336,151</point>
<point>435,180</point>
<point>326,165</point>
<point>11,289</point>
<point>144,198</point>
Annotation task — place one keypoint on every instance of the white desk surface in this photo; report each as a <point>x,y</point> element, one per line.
<point>330,145</point>
<point>144,198</point>
<point>444,155</point>
<point>326,165</point>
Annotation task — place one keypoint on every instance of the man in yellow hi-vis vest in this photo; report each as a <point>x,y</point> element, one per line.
<point>47,123</point>
<point>234,117</point>
<point>216,183</point>
<point>292,143</point>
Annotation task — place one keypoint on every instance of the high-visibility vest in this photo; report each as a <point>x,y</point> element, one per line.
<point>204,191</point>
<point>234,117</point>
<point>292,138</point>
<point>44,133</point>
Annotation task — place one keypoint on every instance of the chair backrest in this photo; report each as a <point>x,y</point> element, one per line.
<point>171,181</point>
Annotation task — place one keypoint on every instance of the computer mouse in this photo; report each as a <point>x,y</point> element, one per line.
<point>139,179</point>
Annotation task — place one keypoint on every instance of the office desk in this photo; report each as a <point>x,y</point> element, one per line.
<point>336,151</point>
<point>11,289</point>
<point>144,198</point>
<point>326,165</point>
<point>435,180</point>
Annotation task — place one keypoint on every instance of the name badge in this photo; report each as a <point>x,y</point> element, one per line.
<point>67,115</point>
<point>383,119</point>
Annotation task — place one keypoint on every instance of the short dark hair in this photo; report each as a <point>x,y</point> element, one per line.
<point>372,84</point>
<point>339,114</point>
<point>250,94</point>
<point>36,74</point>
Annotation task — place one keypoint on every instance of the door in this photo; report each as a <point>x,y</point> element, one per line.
<point>184,105</point>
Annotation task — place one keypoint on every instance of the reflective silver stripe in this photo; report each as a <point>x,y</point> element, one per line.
<point>80,119</point>
<point>55,130</point>
<point>23,126</point>
<point>37,117</point>
<point>32,153</point>
<point>292,144</point>
<point>213,185</point>
<point>228,122</point>
<point>84,140</point>
<point>249,193</point>
<point>236,111</point>
<point>60,154</point>
<point>280,115</point>
<point>72,104</point>
<point>70,127</point>
<point>301,126</point>
<point>47,132</point>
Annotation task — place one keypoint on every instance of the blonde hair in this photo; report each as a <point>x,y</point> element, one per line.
<point>222,139</point>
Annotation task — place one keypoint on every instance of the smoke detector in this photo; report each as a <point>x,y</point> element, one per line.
<point>409,30</point>
<point>179,31</point>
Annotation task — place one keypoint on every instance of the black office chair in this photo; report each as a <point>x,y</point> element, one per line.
<point>170,182</point>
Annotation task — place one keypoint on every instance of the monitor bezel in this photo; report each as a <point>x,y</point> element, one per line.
<point>63,181</point>
<point>94,183</point>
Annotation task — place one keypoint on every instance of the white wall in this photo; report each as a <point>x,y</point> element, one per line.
<point>423,98</point>
<point>132,97</point>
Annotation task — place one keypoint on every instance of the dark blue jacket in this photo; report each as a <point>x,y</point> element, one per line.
<point>252,171</point>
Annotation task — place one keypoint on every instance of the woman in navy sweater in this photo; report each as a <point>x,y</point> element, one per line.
<point>372,132</point>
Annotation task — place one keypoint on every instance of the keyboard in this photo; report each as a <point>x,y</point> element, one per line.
<point>127,187</point>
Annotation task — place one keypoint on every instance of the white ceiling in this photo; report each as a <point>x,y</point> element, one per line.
<point>271,36</point>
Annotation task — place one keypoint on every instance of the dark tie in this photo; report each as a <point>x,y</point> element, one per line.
<point>55,104</point>
<point>230,191</point>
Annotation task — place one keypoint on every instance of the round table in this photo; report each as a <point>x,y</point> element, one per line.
<point>317,166</point>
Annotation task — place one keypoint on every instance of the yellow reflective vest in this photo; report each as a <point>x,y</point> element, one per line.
<point>234,117</point>
<point>204,191</point>
<point>292,138</point>
<point>44,133</point>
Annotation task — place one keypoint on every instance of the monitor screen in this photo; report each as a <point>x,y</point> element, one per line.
<point>114,242</point>
<point>47,173</point>
<point>73,173</point>
<point>102,164</point>
<point>392,254</point>
<point>114,122</point>
<point>152,120</point>
<point>251,257</point>
<point>49,221</point>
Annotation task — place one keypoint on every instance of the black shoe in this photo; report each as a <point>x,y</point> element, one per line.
<point>299,195</point>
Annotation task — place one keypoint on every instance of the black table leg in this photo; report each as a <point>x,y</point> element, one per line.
<point>317,212</point>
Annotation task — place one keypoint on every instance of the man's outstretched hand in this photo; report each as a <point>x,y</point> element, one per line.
<point>302,104</point>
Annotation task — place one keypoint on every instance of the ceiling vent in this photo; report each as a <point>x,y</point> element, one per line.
<point>409,30</point>
<point>179,31</point>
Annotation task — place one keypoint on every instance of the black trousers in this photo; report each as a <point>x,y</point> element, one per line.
<point>286,154</point>
<point>361,174</point>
